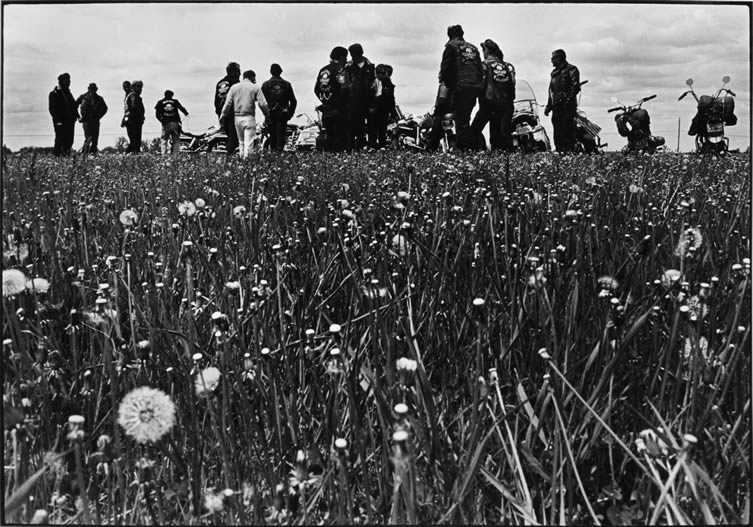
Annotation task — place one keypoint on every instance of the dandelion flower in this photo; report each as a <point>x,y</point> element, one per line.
<point>670,276</point>
<point>690,240</point>
<point>239,211</point>
<point>200,203</point>
<point>146,414</point>
<point>697,307</point>
<point>207,380</point>
<point>40,285</point>
<point>214,501</point>
<point>128,217</point>
<point>186,208</point>
<point>703,347</point>
<point>406,364</point>
<point>14,282</point>
<point>634,189</point>
<point>400,244</point>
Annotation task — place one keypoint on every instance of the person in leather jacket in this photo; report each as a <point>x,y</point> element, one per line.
<point>333,89</point>
<point>282,104</point>
<point>564,87</point>
<point>64,112</point>
<point>233,76</point>
<point>363,76</point>
<point>461,72</point>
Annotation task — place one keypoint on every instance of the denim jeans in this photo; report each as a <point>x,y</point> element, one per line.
<point>170,134</point>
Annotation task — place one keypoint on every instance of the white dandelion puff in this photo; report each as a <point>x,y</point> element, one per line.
<point>146,414</point>
<point>14,282</point>
<point>207,380</point>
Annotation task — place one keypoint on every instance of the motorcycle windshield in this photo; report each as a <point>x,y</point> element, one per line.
<point>525,99</point>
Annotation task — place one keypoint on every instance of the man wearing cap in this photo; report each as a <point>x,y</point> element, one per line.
<point>363,76</point>
<point>134,117</point>
<point>241,102</point>
<point>166,111</point>
<point>92,108</point>
<point>333,89</point>
<point>461,72</point>
<point>562,102</point>
<point>127,90</point>
<point>282,104</point>
<point>63,109</point>
<point>496,100</point>
<point>232,77</point>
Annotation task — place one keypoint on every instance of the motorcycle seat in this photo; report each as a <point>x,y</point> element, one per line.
<point>448,116</point>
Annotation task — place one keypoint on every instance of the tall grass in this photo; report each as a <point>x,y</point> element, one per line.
<point>400,338</point>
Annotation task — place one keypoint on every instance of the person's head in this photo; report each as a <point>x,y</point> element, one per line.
<point>455,31</point>
<point>233,69</point>
<point>558,57</point>
<point>275,70</point>
<point>491,49</point>
<point>64,80</point>
<point>356,51</point>
<point>250,75</point>
<point>137,86</point>
<point>127,86</point>
<point>339,54</point>
<point>383,71</point>
<point>169,94</point>
<point>92,87</point>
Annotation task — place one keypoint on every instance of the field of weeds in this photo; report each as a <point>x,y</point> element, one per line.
<point>383,338</point>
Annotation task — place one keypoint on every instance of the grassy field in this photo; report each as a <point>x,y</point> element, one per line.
<point>377,338</point>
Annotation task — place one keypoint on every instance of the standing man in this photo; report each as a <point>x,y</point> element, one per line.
<point>134,117</point>
<point>383,107</point>
<point>92,109</point>
<point>241,102</point>
<point>563,90</point>
<point>496,100</point>
<point>333,88</point>
<point>282,103</point>
<point>362,76</point>
<point>232,77</point>
<point>166,111</point>
<point>461,72</point>
<point>63,109</point>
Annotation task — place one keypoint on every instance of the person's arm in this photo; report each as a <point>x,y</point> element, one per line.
<point>447,67</point>
<point>180,107</point>
<point>227,106</point>
<point>574,83</point>
<point>263,104</point>
<point>293,100</point>
<point>52,107</point>
<point>512,76</point>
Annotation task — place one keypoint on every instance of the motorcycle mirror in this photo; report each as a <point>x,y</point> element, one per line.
<point>613,99</point>
<point>689,82</point>
<point>725,79</point>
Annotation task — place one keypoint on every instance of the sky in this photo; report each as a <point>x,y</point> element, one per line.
<point>626,51</point>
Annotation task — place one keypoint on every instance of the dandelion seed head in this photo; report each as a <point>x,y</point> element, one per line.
<point>334,328</point>
<point>407,365</point>
<point>400,436</point>
<point>14,282</point>
<point>341,443</point>
<point>200,203</point>
<point>239,211</point>
<point>214,502</point>
<point>690,240</point>
<point>207,380</point>
<point>401,409</point>
<point>186,208</point>
<point>128,217</point>
<point>146,414</point>
<point>670,276</point>
<point>607,282</point>
<point>40,285</point>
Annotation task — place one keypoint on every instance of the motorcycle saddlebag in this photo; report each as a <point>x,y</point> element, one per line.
<point>726,107</point>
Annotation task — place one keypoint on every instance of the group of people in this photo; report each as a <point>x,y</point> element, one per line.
<point>357,103</point>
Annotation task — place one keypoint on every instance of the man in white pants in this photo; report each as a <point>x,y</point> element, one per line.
<point>242,99</point>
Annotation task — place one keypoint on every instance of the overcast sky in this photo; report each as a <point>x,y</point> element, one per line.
<point>624,50</point>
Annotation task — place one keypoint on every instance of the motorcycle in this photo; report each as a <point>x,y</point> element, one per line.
<point>713,113</point>
<point>214,140</point>
<point>634,123</point>
<point>412,131</point>
<point>587,138</point>
<point>301,133</point>
<point>528,134</point>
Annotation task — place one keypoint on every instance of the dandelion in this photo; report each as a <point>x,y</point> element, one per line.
<point>146,414</point>
<point>400,244</point>
<point>128,217</point>
<point>670,276</point>
<point>214,502</point>
<point>697,308</point>
<point>207,380</point>
<point>40,285</point>
<point>405,364</point>
<point>14,282</point>
<point>570,213</point>
<point>607,282</point>
<point>200,203</point>
<point>233,286</point>
<point>186,208</point>
<point>239,211</point>
<point>690,240</point>
<point>634,189</point>
<point>703,347</point>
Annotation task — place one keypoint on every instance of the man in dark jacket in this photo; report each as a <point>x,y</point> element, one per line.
<point>333,89</point>
<point>461,72</point>
<point>563,102</point>
<point>383,107</point>
<point>233,76</point>
<point>282,104</point>
<point>362,75</point>
<point>93,108</point>
<point>134,117</point>
<point>63,109</point>
<point>166,112</point>
<point>496,100</point>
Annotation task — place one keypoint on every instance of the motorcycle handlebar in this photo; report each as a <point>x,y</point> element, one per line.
<point>683,96</point>
<point>649,98</point>
<point>614,109</point>
<point>733,94</point>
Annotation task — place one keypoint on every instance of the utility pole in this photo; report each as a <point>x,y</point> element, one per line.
<point>678,133</point>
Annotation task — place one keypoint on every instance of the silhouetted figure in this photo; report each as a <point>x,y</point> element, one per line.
<point>166,111</point>
<point>134,117</point>
<point>63,109</point>
<point>233,76</point>
<point>92,108</point>
<point>563,102</point>
<point>282,104</point>
<point>333,88</point>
